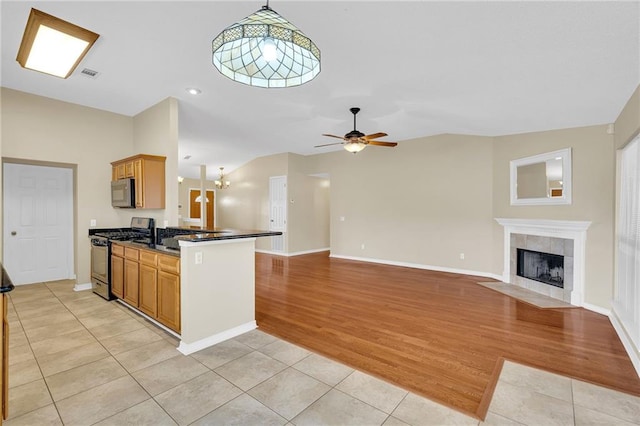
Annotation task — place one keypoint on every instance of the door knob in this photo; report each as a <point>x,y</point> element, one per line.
<point>13,233</point>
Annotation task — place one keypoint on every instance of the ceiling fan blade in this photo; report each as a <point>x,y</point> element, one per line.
<point>333,136</point>
<point>329,144</point>
<point>391,144</point>
<point>374,135</point>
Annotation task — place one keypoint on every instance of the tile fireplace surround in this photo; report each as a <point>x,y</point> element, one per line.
<point>557,235</point>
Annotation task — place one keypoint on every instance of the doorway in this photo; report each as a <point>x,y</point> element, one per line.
<point>194,206</point>
<point>278,211</point>
<point>38,223</point>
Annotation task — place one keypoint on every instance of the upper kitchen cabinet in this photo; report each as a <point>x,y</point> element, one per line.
<point>148,172</point>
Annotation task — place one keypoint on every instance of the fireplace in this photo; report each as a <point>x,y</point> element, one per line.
<point>566,239</point>
<point>546,268</point>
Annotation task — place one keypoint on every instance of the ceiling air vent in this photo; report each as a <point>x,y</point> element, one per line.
<point>89,73</point>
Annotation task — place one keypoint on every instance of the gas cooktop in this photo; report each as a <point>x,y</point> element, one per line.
<point>121,235</point>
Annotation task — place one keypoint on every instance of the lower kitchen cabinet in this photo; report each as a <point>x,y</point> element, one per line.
<point>169,300</point>
<point>148,297</point>
<point>148,281</point>
<point>117,276</point>
<point>131,282</point>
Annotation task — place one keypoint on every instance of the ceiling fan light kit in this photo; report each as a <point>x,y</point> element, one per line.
<point>53,46</point>
<point>355,141</point>
<point>266,50</point>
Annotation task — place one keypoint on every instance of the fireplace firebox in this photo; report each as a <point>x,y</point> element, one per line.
<point>543,267</point>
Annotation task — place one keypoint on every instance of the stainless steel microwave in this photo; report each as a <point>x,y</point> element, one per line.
<point>123,193</point>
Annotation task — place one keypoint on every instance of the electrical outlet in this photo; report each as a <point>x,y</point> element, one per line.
<point>362,246</point>
<point>166,223</point>
<point>93,222</point>
<point>461,256</point>
<point>341,218</point>
<point>198,258</point>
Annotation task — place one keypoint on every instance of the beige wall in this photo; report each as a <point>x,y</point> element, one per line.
<point>593,162</point>
<point>627,124</point>
<point>40,129</point>
<point>246,204</point>
<point>423,202</point>
<point>155,132</point>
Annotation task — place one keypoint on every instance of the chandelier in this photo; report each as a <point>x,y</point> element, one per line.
<point>266,50</point>
<point>221,183</point>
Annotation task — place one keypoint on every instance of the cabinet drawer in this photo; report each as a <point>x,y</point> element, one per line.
<point>148,258</point>
<point>117,250</point>
<point>131,253</point>
<point>169,264</point>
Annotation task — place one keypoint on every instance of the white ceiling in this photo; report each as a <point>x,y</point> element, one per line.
<point>415,68</point>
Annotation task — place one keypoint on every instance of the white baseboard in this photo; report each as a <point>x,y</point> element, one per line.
<point>421,266</point>
<point>632,351</point>
<point>189,348</point>
<point>142,314</point>
<point>297,253</point>
<point>82,287</point>
<point>597,309</point>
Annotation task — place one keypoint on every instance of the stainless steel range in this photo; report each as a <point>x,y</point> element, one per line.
<point>142,229</point>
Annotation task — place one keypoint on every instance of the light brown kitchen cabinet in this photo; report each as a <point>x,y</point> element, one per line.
<point>169,291</point>
<point>131,276</point>
<point>148,172</point>
<point>118,172</point>
<point>148,295</point>
<point>169,300</point>
<point>149,281</point>
<point>117,274</point>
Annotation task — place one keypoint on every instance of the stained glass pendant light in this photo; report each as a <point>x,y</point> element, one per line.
<point>266,50</point>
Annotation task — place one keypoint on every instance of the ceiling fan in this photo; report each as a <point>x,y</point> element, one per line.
<point>355,141</point>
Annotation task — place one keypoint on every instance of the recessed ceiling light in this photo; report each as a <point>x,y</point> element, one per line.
<point>193,91</point>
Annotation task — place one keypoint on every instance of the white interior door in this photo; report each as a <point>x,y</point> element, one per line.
<point>38,223</point>
<point>278,210</point>
<point>278,204</point>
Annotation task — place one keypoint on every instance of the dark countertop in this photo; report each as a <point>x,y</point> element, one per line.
<point>6,286</point>
<point>199,235</point>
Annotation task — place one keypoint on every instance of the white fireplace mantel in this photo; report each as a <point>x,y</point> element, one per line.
<point>568,229</point>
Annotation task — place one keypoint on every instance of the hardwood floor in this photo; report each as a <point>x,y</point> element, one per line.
<point>437,334</point>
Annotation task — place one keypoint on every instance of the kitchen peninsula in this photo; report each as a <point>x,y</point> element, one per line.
<point>213,279</point>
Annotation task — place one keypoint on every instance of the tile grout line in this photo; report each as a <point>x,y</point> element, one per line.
<point>37,361</point>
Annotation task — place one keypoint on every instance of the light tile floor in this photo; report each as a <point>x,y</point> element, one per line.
<point>76,359</point>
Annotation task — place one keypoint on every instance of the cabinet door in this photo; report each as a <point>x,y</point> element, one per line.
<point>128,169</point>
<point>131,270</point>
<point>169,300</point>
<point>138,174</point>
<point>119,171</point>
<point>148,297</point>
<point>117,276</point>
